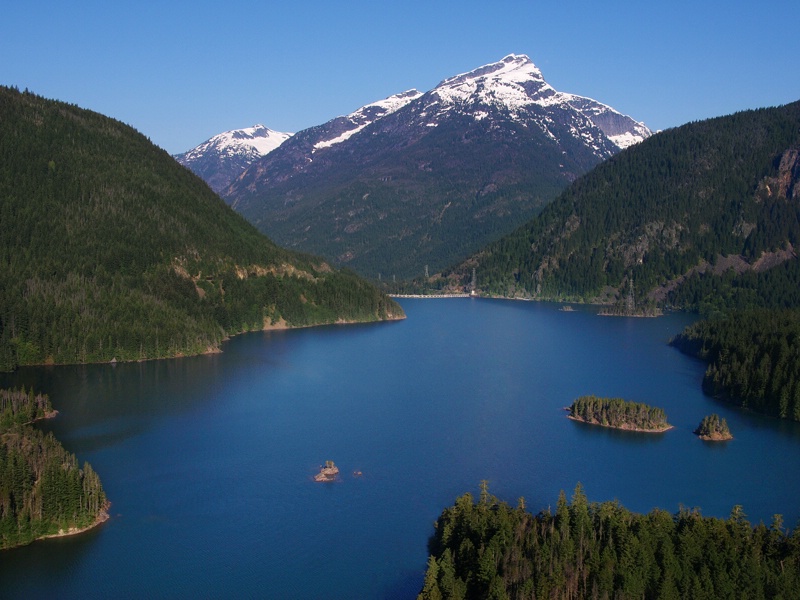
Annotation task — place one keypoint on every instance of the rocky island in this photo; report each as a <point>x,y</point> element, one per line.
<point>328,472</point>
<point>619,414</point>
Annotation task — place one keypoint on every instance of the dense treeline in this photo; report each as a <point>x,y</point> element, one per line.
<point>619,413</point>
<point>712,427</point>
<point>488,550</point>
<point>110,249</point>
<point>42,489</point>
<point>754,359</point>
<point>710,294</point>
<point>656,210</point>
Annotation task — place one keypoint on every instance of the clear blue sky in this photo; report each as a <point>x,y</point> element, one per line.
<point>181,71</point>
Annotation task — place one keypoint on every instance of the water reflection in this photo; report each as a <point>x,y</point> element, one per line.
<point>101,405</point>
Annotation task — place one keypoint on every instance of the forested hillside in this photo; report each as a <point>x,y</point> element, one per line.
<point>754,359</point>
<point>111,250</point>
<point>693,202</point>
<point>42,489</point>
<point>488,550</point>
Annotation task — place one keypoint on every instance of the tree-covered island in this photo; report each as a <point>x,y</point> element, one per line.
<point>43,491</point>
<point>713,428</point>
<point>618,414</point>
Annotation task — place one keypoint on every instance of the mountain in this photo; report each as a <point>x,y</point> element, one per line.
<point>222,159</point>
<point>701,216</point>
<point>423,179</point>
<point>110,250</point>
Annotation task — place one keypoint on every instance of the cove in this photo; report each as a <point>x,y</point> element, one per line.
<point>209,461</point>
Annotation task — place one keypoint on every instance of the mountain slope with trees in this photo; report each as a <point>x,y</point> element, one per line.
<point>687,207</point>
<point>111,250</point>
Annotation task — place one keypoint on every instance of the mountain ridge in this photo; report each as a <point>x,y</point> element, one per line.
<point>434,179</point>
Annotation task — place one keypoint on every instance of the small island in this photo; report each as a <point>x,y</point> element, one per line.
<point>328,472</point>
<point>713,429</point>
<point>619,414</point>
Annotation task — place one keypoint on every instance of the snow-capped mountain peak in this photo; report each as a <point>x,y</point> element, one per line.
<point>514,68</point>
<point>515,86</point>
<point>220,159</point>
<point>258,140</point>
<point>415,178</point>
<point>514,82</point>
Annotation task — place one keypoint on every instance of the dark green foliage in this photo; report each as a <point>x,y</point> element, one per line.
<point>713,427</point>
<point>601,550</point>
<point>754,359</point>
<point>656,210</point>
<point>619,413</point>
<point>42,489</point>
<point>110,249</point>
<point>708,294</point>
<point>18,407</point>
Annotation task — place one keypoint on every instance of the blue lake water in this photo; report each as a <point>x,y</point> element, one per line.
<point>209,460</point>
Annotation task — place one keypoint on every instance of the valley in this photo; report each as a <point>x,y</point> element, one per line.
<point>490,184</point>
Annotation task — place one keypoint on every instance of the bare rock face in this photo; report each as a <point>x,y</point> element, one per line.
<point>789,174</point>
<point>327,473</point>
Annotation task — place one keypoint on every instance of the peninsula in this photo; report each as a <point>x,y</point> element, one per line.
<point>43,491</point>
<point>619,414</point>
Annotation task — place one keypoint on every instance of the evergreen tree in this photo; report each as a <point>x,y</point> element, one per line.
<point>602,550</point>
<point>42,490</point>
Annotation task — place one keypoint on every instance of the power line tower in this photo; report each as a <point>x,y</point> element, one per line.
<point>630,302</point>
<point>426,272</point>
<point>474,283</point>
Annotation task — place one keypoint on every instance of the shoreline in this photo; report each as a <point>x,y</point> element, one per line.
<point>714,438</point>
<point>634,429</point>
<point>278,326</point>
<point>101,518</point>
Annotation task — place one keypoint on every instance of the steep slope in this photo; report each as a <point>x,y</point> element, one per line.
<point>436,177</point>
<point>109,249</point>
<point>225,156</point>
<point>716,197</point>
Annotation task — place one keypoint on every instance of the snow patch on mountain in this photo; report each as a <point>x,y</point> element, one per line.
<point>364,116</point>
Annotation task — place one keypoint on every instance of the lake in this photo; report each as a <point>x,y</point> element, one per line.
<point>209,461</point>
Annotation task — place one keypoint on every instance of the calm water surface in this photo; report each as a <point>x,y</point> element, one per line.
<point>209,461</point>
